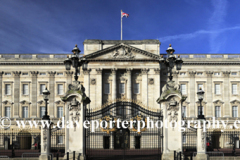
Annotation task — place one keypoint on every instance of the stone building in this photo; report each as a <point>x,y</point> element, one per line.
<point>118,69</point>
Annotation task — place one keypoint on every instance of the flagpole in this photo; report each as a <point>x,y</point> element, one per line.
<point>121,24</point>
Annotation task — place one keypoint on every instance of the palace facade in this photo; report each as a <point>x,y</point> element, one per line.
<point>118,69</point>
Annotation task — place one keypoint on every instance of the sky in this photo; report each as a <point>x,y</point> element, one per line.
<point>55,26</point>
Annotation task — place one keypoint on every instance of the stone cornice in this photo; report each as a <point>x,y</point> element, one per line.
<point>32,63</point>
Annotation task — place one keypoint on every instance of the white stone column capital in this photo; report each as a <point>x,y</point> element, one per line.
<point>114,70</point>
<point>145,71</point>
<point>99,70</point>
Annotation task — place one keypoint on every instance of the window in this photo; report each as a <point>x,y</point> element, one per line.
<point>184,139</point>
<point>8,74</point>
<point>60,89</point>
<point>182,73</point>
<point>60,74</point>
<point>60,112</point>
<point>136,88</point>
<point>107,88</point>
<point>25,89</point>
<point>217,88</point>
<point>24,73</point>
<point>234,73</point>
<point>217,73</point>
<point>42,112</point>
<point>42,88</point>
<point>121,88</point>
<point>7,112</point>
<point>24,112</point>
<point>199,73</point>
<point>234,111</point>
<point>42,74</point>
<point>200,86</point>
<point>183,89</point>
<point>217,111</point>
<point>7,89</point>
<point>234,88</point>
<point>199,110</point>
<point>184,111</point>
<point>60,139</point>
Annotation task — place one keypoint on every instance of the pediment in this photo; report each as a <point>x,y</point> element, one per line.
<point>122,52</point>
<point>235,101</point>
<point>218,102</point>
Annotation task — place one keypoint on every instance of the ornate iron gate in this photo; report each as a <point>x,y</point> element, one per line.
<point>124,143</point>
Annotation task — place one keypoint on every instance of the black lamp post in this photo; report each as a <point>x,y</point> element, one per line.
<point>200,95</point>
<point>46,94</point>
<point>76,62</point>
<point>170,61</point>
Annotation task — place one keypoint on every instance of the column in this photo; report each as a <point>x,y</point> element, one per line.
<point>226,94</point>
<point>87,83</point>
<point>157,89</point>
<point>145,86</point>
<point>209,98</point>
<point>52,93</point>
<point>175,76</point>
<point>192,93</point>
<point>34,94</point>
<point>16,93</point>
<point>114,84</point>
<point>1,89</point>
<point>129,83</point>
<point>69,77</point>
<point>99,87</point>
<point>129,88</point>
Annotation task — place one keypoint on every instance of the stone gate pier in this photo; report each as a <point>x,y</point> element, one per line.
<point>171,103</point>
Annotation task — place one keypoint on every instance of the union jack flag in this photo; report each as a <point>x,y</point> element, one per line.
<point>124,14</point>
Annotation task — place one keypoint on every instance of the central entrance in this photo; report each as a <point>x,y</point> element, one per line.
<point>123,143</point>
<point>121,139</point>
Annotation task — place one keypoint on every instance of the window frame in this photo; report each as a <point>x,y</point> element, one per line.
<point>218,110</point>
<point>105,84</point>
<point>58,116</point>
<point>119,88</point>
<point>236,91</point>
<point>215,89</point>
<point>5,111</point>
<point>235,110</point>
<point>134,87</point>
<point>185,89</point>
<point>26,114</point>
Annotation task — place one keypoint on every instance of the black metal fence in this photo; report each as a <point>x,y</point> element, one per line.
<point>15,142</point>
<point>216,141</point>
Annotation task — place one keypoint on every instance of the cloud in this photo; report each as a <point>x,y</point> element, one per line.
<point>216,21</point>
<point>197,33</point>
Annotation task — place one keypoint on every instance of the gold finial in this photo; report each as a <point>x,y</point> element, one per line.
<point>178,56</point>
<point>75,45</point>
<point>67,56</point>
<point>170,45</point>
<point>200,88</point>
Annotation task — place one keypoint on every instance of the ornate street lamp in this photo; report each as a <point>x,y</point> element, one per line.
<point>46,94</point>
<point>75,62</point>
<point>170,61</point>
<point>200,95</point>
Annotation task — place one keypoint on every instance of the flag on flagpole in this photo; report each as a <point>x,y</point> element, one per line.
<point>124,14</point>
